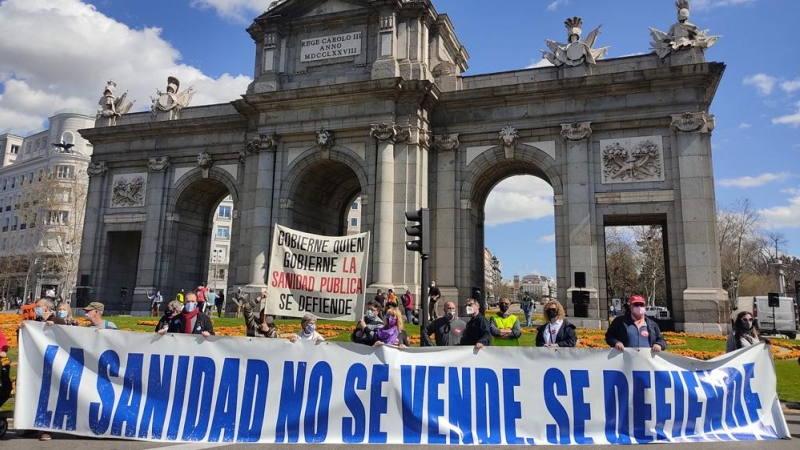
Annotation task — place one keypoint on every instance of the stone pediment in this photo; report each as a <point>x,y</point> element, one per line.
<point>292,9</point>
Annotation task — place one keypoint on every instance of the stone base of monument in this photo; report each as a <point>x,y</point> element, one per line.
<point>588,323</point>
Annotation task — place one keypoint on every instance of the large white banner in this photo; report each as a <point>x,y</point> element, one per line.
<point>321,275</point>
<point>106,383</point>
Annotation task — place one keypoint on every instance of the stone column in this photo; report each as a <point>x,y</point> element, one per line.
<point>704,308</point>
<point>448,212</point>
<point>385,136</point>
<point>580,235</point>
<point>262,153</point>
<point>93,232</point>
<point>148,273</point>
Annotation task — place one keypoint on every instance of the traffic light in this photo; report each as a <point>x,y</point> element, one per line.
<point>419,228</point>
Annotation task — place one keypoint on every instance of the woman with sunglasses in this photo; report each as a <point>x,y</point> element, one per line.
<point>744,333</point>
<point>557,332</point>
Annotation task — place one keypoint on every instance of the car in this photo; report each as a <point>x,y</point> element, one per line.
<point>657,312</point>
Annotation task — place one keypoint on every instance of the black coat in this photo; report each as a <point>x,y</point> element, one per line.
<point>566,336</point>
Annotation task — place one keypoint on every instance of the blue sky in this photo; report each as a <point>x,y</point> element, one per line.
<point>59,53</point>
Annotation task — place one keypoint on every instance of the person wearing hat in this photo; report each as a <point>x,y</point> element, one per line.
<point>635,329</point>
<point>94,313</point>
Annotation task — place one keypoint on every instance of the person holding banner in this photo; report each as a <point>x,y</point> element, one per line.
<point>505,327</point>
<point>171,321</point>
<point>477,330</point>
<point>635,329</point>
<point>94,312</point>
<point>251,308</point>
<point>557,332</point>
<point>367,327</point>
<point>194,321</point>
<point>392,332</point>
<point>744,334</point>
<point>64,313</point>
<point>447,330</point>
<point>308,330</point>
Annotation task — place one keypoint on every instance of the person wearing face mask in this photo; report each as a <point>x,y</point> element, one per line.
<point>250,313</point>
<point>744,333</point>
<point>308,330</point>
<point>268,328</point>
<point>557,332</point>
<point>94,312</point>
<point>194,321</point>
<point>171,321</point>
<point>504,326</point>
<point>64,313</point>
<point>44,311</point>
<point>447,330</point>
<point>367,327</point>
<point>635,329</point>
<point>477,330</point>
<point>392,333</point>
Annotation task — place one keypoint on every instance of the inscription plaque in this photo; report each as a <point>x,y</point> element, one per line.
<point>326,47</point>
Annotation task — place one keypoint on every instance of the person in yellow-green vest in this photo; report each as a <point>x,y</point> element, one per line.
<point>504,327</point>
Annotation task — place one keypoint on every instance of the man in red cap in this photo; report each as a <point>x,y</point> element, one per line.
<point>635,329</point>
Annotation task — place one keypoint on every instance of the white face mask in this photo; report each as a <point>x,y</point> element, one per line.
<point>638,310</point>
<point>470,310</point>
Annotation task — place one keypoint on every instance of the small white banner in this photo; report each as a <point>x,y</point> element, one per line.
<point>321,275</point>
<point>186,388</point>
<point>325,47</point>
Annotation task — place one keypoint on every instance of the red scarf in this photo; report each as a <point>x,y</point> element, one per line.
<point>187,317</point>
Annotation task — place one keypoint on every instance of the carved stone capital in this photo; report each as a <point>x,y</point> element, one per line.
<point>577,131</point>
<point>508,139</point>
<point>445,142</point>
<point>96,168</point>
<point>157,163</point>
<point>383,132</point>
<point>205,161</point>
<point>264,142</point>
<point>325,139</point>
<point>691,122</point>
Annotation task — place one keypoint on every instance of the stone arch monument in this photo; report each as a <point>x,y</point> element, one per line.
<point>368,98</point>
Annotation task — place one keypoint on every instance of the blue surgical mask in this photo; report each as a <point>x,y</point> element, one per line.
<point>62,314</point>
<point>370,314</point>
<point>39,311</point>
<point>189,307</point>
<point>309,328</point>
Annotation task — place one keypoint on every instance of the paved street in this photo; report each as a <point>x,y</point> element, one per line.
<point>11,441</point>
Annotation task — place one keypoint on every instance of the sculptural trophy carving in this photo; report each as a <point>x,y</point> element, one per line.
<point>168,105</point>
<point>682,35</point>
<point>575,52</point>
<point>112,107</point>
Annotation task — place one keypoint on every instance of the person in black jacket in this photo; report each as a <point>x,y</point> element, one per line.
<point>195,322</point>
<point>557,332</point>
<point>171,321</point>
<point>635,329</point>
<point>477,330</point>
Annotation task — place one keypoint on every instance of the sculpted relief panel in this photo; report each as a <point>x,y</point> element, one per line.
<point>127,190</point>
<point>632,160</point>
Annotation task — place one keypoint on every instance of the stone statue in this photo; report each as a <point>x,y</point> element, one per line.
<point>575,52</point>
<point>168,105</point>
<point>112,107</point>
<point>682,35</point>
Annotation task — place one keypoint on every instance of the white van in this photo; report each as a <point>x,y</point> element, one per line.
<point>785,319</point>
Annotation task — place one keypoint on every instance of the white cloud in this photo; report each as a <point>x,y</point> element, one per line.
<point>548,238</point>
<point>791,86</point>
<point>763,82</point>
<point>709,4</point>
<point>554,5</point>
<point>760,180</point>
<point>791,119</point>
<point>67,67</point>
<point>519,198</point>
<point>744,126</point>
<point>783,216</point>
<point>243,11</point>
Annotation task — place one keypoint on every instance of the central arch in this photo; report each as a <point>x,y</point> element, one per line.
<point>485,172</point>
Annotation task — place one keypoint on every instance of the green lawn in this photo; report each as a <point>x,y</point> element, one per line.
<point>788,371</point>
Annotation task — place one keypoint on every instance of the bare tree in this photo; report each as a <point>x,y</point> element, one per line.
<point>651,262</point>
<point>621,274</point>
